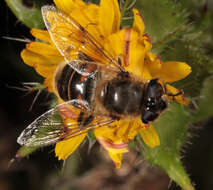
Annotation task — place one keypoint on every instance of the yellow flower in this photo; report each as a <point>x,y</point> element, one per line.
<point>131,45</point>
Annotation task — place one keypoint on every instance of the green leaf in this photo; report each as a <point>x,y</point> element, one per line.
<point>204,106</point>
<point>25,151</point>
<point>172,130</point>
<point>27,11</point>
<point>194,47</point>
<point>126,13</point>
<point>164,20</point>
<point>175,40</point>
<point>189,51</point>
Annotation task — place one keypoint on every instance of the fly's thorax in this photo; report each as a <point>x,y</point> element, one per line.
<point>122,97</point>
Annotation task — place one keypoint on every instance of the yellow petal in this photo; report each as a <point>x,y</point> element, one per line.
<point>44,66</point>
<point>45,70</point>
<point>133,54</point>
<point>88,19</point>
<point>145,74</point>
<point>68,5</point>
<point>117,16</point>
<point>180,99</point>
<point>116,158</point>
<point>138,24</point>
<point>48,82</point>
<point>45,50</point>
<point>154,64</point>
<point>85,14</point>
<point>32,59</point>
<point>113,146</point>
<point>65,148</point>
<point>126,45</point>
<point>109,17</point>
<point>41,34</point>
<point>146,40</point>
<point>150,136</point>
<point>115,44</point>
<point>173,71</point>
<point>127,130</point>
<point>107,133</point>
<point>118,134</point>
<point>117,151</point>
<point>136,57</point>
<point>91,12</point>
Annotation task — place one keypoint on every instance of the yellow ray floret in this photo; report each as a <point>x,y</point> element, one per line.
<point>63,149</point>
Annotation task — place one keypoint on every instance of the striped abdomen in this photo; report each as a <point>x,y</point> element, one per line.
<point>71,85</point>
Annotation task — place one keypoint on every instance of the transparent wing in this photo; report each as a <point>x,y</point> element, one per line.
<point>50,128</point>
<point>88,68</point>
<point>71,38</point>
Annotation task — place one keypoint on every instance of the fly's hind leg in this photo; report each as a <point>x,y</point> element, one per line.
<point>180,93</point>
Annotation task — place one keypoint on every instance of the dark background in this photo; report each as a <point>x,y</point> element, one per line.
<point>14,109</point>
<point>42,170</point>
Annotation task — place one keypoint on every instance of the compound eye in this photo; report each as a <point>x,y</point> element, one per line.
<point>162,105</point>
<point>151,104</point>
<point>148,116</point>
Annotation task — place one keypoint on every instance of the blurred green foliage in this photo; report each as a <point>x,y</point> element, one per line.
<point>28,11</point>
<point>172,128</point>
<point>177,37</point>
<point>203,106</point>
